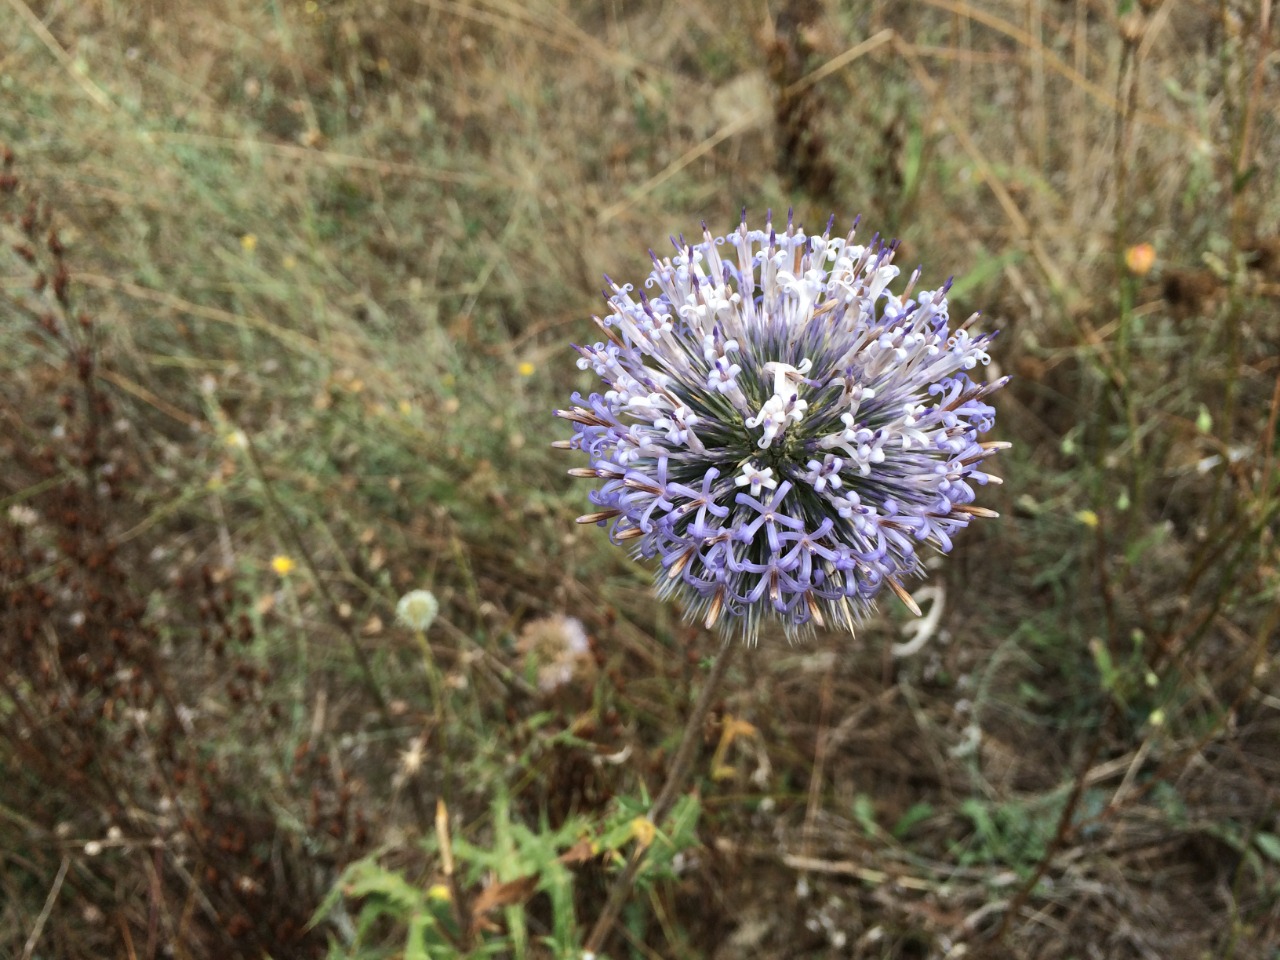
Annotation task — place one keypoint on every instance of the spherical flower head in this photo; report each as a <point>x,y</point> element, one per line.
<point>417,609</point>
<point>779,430</point>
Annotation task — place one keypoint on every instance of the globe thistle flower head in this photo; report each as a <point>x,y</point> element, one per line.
<point>779,430</point>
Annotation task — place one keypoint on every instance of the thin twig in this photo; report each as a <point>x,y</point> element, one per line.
<point>30,947</point>
<point>675,783</point>
<point>69,64</point>
<point>1064,830</point>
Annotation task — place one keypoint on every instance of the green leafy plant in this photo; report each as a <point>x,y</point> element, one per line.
<point>478,899</point>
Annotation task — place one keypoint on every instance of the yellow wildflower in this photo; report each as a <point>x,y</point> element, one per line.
<point>1087,517</point>
<point>643,829</point>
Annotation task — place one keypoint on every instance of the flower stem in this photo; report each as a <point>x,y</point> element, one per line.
<point>293,535</point>
<point>675,783</point>
<point>433,675</point>
<point>444,800</point>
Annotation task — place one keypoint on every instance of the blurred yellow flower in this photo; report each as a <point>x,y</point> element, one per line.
<point>1140,258</point>
<point>282,565</point>
<point>249,242</point>
<point>643,829</point>
<point>439,892</point>
<point>1088,518</point>
<point>526,368</point>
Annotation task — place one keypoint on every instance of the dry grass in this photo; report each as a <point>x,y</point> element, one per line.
<point>333,254</point>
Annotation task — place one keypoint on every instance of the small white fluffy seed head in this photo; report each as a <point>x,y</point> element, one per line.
<point>417,609</point>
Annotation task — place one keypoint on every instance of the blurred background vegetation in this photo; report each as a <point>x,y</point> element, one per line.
<point>288,292</point>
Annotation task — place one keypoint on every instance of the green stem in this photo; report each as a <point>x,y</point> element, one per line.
<point>434,680</point>
<point>292,535</point>
<point>675,783</point>
<point>444,801</point>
